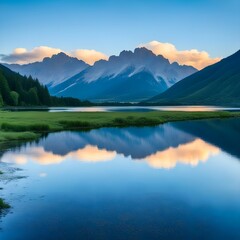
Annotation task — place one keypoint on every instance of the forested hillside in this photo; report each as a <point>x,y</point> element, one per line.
<point>17,90</point>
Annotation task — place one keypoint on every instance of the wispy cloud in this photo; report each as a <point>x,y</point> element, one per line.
<point>193,57</point>
<point>23,56</point>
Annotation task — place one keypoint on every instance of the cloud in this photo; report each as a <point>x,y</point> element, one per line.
<point>89,56</point>
<point>190,153</point>
<point>24,56</point>
<point>193,57</point>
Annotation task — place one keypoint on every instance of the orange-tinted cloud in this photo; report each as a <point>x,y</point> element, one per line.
<point>23,56</point>
<point>190,153</point>
<point>89,56</point>
<point>193,57</point>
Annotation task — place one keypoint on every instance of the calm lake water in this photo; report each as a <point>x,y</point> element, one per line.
<point>129,109</point>
<point>174,181</point>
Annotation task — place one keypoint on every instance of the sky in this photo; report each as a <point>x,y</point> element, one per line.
<point>107,27</point>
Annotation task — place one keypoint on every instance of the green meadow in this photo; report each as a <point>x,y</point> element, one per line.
<point>31,125</point>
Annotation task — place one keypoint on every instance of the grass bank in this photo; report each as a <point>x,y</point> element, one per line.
<point>30,125</point>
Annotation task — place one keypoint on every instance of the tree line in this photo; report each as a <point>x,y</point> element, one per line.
<point>18,90</point>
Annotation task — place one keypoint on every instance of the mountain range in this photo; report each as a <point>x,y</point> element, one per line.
<point>218,84</point>
<point>18,90</point>
<point>130,77</point>
<point>138,76</point>
<point>51,71</point>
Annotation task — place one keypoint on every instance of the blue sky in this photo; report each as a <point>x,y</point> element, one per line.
<point>111,26</point>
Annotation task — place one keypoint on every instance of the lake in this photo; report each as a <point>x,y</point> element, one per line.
<point>128,109</point>
<point>174,181</point>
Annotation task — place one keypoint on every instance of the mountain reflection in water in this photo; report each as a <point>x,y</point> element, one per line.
<point>163,146</point>
<point>174,181</point>
<point>189,153</point>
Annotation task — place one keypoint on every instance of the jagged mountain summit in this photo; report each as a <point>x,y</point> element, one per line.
<point>51,70</point>
<point>131,76</point>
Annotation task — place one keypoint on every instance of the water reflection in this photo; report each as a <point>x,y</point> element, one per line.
<point>174,181</point>
<point>128,109</point>
<point>189,153</point>
<point>223,133</point>
<point>134,142</point>
<point>161,147</point>
<point>40,156</point>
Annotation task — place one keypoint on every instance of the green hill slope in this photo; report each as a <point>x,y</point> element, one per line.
<point>218,84</point>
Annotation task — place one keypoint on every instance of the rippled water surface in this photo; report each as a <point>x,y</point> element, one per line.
<point>174,181</point>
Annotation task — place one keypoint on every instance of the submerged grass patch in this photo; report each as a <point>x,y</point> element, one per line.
<point>3,205</point>
<point>29,125</point>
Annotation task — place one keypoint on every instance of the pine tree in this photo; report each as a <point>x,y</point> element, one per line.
<point>1,101</point>
<point>33,96</point>
<point>5,90</point>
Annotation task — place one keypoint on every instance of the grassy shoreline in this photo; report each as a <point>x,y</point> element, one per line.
<point>23,126</point>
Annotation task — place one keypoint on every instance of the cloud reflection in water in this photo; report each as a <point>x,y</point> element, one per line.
<point>190,153</point>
